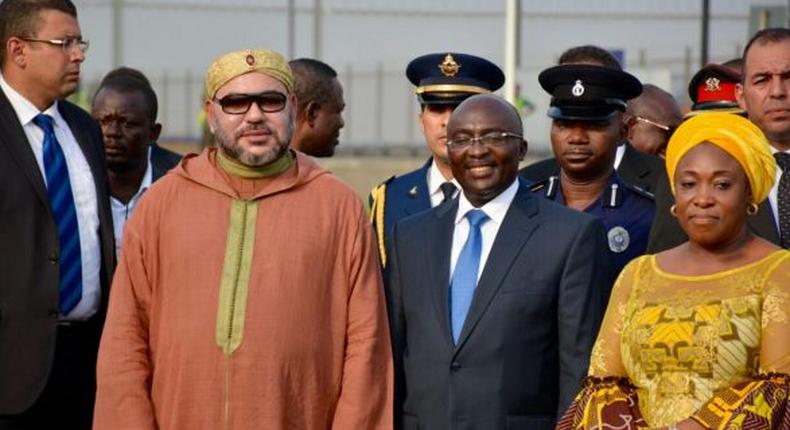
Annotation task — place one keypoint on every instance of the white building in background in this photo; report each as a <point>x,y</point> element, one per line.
<point>370,42</point>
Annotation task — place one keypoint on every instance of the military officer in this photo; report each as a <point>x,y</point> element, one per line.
<point>442,81</point>
<point>712,89</point>
<point>586,109</point>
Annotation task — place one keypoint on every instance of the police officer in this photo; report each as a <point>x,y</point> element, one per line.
<point>587,109</point>
<point>442,81</point>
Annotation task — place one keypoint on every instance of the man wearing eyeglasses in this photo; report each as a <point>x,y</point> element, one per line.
<point>586,111</point>
<point>56,253</point>
<point>442,81</point>
<point>651,118</point>
<point>494,329</point>
<point>248,294</point>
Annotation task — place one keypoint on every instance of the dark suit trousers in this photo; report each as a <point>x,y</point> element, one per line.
<point>67,400</point>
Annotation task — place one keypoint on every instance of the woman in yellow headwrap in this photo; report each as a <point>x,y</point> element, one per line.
<point>698,336</point>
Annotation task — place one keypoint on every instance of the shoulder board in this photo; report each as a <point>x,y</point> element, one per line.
<point>537,186</point>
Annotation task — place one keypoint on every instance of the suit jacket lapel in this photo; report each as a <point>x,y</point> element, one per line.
<point>514,233</point>
<point>631,165</point>
<point>439,248</point>
<point>14,138</point>
<point>763,223</point>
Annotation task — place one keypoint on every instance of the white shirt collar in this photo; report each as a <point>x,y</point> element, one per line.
<point>618,155</point>
<point>436,179</point>
<point>25,110</point>
<point>496,209</point>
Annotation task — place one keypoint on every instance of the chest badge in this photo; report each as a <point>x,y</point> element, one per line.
<point>619,239</point>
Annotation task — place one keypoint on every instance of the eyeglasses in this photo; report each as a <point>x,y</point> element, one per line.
<point>68,44</point>
<point>668,129</point>
<point>490,140</point>
<point>239,104</point>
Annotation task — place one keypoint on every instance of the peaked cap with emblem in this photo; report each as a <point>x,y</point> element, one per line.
<point>451,77</point>
<point>712,89</point>
<point>587,92</point>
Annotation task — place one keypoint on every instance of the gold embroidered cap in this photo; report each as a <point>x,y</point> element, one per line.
<point>236,63</point>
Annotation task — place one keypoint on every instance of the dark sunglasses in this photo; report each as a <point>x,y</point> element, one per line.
<point>238,104</point>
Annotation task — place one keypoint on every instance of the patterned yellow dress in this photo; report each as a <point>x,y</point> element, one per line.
<point>715,348</point>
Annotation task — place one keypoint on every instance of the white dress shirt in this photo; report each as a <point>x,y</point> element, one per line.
<point>496,210</point>
<point>774,193</point>
<point>121,212</point>
<point>82,187</point>
<point>435,181</point>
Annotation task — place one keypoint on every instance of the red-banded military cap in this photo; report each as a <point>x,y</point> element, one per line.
<point>712,88</point>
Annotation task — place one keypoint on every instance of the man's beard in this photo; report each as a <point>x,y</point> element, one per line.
<point>230,146</point>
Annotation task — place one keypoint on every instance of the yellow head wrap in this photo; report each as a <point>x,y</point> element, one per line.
<point>733,134</point>
<point>237,63</point>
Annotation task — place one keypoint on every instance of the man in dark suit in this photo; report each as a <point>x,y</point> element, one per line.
<point>633,167</point>
<point>125,106</point>
<point>56,234</point>
<point>493,329</point>
<point>764,94</point>
<point>442,81</point>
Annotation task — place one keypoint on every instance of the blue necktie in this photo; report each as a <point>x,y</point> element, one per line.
<point>464,280</point>
<point>61,201</point>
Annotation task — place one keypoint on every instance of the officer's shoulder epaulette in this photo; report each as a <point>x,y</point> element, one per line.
<point>640,191</point>
<point>537,186</point>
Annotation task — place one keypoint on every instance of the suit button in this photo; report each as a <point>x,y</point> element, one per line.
<point>53,258</point>
<point>454,366</point>
<point>53,313</point>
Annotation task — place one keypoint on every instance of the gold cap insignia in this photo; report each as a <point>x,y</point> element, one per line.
<point>712,84</point>
<point>449,67</point>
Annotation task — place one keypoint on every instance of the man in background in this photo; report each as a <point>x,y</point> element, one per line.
<point>652,118</point>
<point>319,116</point>
<point>634,167</point>
<point>125,106</point>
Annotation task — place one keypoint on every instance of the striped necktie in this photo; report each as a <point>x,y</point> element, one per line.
<point>783,198</point>
<point>464,280</point>
<point>61,201</point>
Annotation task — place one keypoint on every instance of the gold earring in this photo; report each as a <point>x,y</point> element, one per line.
<point>752,209</point>
<point>674,211</point>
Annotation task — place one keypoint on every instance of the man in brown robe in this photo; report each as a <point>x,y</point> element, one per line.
<point>248,295</point>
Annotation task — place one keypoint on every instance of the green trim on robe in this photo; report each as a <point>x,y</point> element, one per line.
<point>236,275</point>
<point>255,172</point>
